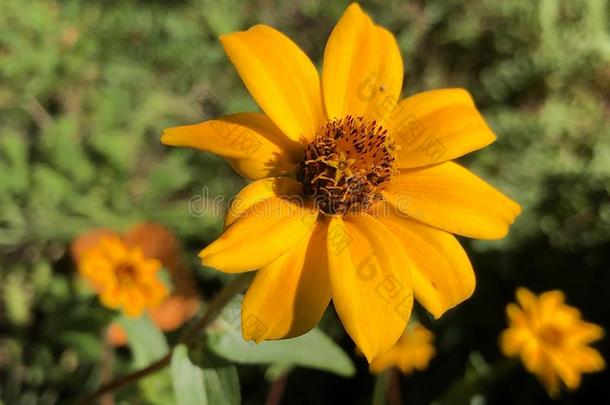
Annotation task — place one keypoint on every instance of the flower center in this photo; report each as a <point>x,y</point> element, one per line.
<point>346,164</point>
<point>551,335</point>
<point>125,273</point>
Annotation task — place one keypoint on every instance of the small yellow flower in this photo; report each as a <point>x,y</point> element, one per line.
<point>551,339</point>
<point>123,276</point>
<point>413,351</point>
<point>355,196</point>
<point>156,242</point>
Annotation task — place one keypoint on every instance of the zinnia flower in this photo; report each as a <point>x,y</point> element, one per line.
<point>413,351</point>
<point>354,197</point>
<point>552,339</point>
<point>125,272</point>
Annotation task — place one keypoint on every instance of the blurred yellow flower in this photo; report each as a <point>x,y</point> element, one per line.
<point>413,351</point>
<point>355,196</point>
<point>551,339</point>
<point>156,242</point>
<point>123,277</point>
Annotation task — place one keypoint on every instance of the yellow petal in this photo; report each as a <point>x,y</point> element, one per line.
<point>562,363</point>
<point>549,379</point>
<point>254,146</point>
<point>532,356</point>
<point>88,241</point>
<point>441,271</point>
<point>512,340</point>
<point>133,302</point>
<point>258,192</point>
<point>436,126</point>
<point>267,232</point>
<point>585,333</point>
<point>384,361</point>
<point>362,71</point>
<point>450,197</point>
<point>527,300</point>
<point>153,240</point>
<point>588,360</point>
<point>548,303</point>
<point>370,280</point>
<point>288,297</point>
<point>111,297</point>
<point>280,77</point>
<point>515,315</point>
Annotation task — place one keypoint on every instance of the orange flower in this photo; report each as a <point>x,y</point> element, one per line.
<point>355,197</point>
<point>413,351</point>
<point>123,277</point>
<point>552,339</point>
<point>152,246</point>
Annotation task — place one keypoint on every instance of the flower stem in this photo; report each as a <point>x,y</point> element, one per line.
<point>188,338</point>
<point>462,390</point>
<point>387,388</point>
<point>381,388</point>
<point>394,394</point>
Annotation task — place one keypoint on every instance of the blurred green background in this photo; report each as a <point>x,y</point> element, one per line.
<point>87,87</point>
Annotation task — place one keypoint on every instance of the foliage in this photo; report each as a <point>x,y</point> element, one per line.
<point>87,87</point>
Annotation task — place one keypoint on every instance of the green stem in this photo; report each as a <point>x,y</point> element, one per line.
<point>461,391</point>
<point>394,395</point>
<point>381,388</point>
<point>188,337</point>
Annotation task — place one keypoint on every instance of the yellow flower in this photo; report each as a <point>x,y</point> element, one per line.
<point>123,277</point>
<point>354,197</point>
<point>156,242</point>
<point>551,339</point>
<point>413,351</point>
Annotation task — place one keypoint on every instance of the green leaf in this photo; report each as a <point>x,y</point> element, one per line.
<point>17,298</point>
<point>222,385</point>
<point>221,16</point>
<point>148,345</point>
<point>86,345</point>
<point>298,351</point>
<point>167,177</point>
<point>14,151</point>
<point>41,276</point>
<point>146,341</point>
<point>220,377</point>
<point>187,379</point>
<point>204,380</point>
<point>62,147</point>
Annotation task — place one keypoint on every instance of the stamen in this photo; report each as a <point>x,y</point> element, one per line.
<point>346,164</point>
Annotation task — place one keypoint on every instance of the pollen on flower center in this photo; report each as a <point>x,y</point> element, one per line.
<point>346,164</point>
